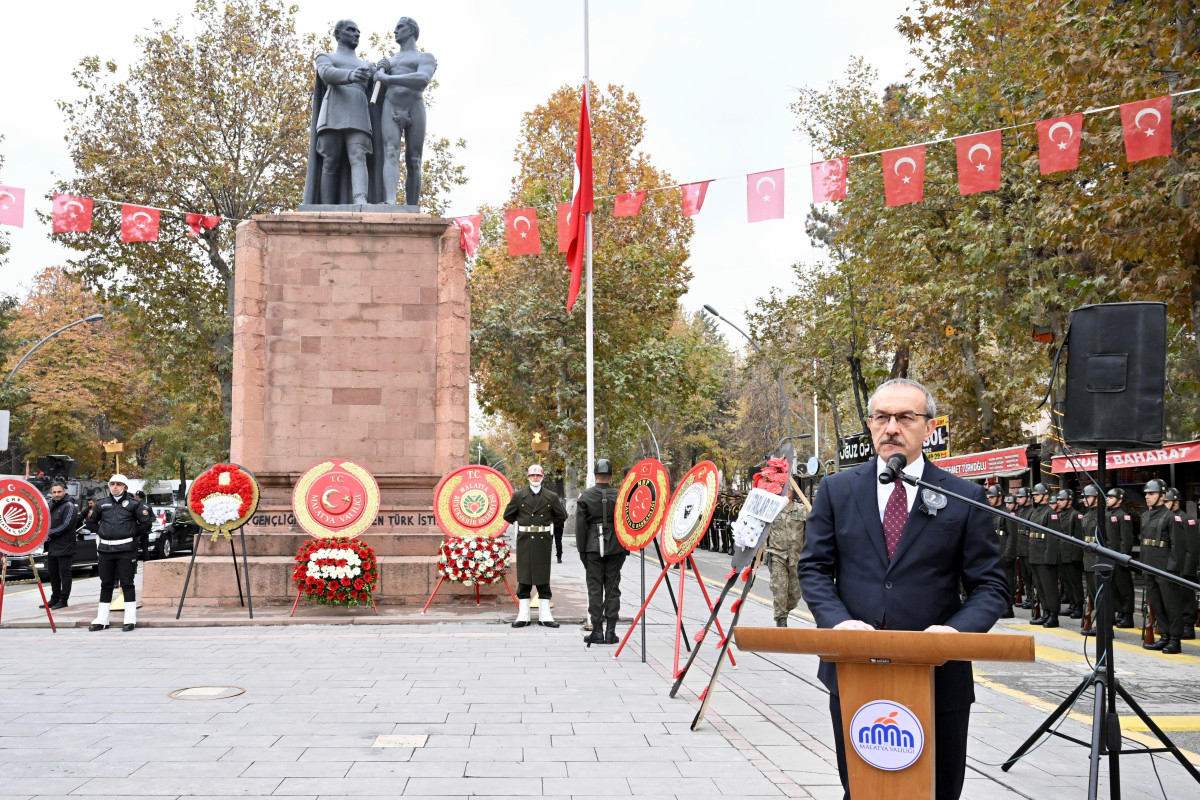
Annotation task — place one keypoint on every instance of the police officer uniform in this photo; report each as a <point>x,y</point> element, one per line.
<point>60,550</point>
<point>122,523</point>
<point>601,552</point>
<point>1163,548</point>
<point>1185,526</point>
<point>1119,535</point>
<point>784,544</point>
<point>535,509</point>
<point>1044,559</point>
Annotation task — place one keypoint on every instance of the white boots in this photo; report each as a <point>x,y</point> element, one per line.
<point>102,613</point>
<point>130,616</point>
<point>101,620</point>
<point>544,615</point>
<point>523,614</point>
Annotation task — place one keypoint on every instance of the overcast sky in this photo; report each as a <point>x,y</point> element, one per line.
<point>714,78</point>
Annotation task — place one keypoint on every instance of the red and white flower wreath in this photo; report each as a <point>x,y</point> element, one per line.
<point>223,498</point>
<point>474,560</point>
<point>336,571</point>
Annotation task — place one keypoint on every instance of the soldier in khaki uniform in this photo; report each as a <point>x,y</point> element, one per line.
<point>783,555</point>
<point>535,509</point>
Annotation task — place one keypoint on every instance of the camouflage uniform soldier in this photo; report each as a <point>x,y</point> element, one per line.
<point>783,556</point>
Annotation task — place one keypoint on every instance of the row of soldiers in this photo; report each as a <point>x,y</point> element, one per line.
<point>1169,540</point>
<point>719,536</point>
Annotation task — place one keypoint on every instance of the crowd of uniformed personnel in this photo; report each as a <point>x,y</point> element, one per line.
<point>1044,572</point>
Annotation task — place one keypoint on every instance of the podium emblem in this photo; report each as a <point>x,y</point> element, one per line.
<point>887,735</point>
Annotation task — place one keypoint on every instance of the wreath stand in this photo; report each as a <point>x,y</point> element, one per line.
<point>442,579</point>
<point>688,561</point>
<point>37,577</point>
<point>243,600</point>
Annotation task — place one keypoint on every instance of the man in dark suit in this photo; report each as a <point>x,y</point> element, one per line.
<point>891,557</point>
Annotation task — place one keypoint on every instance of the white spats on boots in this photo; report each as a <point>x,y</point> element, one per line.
<point>101,620</point>
<point>523,614</point>
<point>130,616</point>
<point>544,616</point>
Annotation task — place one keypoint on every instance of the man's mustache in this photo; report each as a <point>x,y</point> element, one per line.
<point>891,440</point>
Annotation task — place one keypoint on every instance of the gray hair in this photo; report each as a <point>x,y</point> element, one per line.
<point>930,403</point>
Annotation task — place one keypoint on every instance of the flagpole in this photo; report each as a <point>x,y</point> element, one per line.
<point>591,398</point>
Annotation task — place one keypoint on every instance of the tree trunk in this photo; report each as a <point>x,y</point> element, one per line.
<point>987,413</point>
<point>900,363</point>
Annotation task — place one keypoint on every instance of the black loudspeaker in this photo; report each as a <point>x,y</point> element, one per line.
<point>1116,376</point>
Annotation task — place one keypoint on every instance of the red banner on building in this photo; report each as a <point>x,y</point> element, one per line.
<point>1167,454</point>
<point>984,465</point>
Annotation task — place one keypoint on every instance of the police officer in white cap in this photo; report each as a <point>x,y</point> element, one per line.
<point>535,509</point>
<point>122,522</point>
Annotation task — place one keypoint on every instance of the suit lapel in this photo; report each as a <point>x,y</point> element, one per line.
<point>866,493</point>
<point>917,519</point>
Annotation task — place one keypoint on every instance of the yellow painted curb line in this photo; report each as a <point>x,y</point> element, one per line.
<point>1182,658</point>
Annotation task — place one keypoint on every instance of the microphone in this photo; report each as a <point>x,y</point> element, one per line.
<point>895,465</point>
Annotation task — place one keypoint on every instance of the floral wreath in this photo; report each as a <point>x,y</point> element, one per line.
<point>474,559</point>
<point>223,498</point>
<point>336,571</point>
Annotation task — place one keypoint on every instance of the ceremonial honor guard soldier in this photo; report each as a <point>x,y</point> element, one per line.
<point>122,522</point>
<point>1009,553</point>
<point>1185,526</point>
<point>1071,557</point>
<point>601,553</point>
<point>1024,509</point>
<point>1091,518</point>
<point>1119,535</point>
<point>1000,526</point>
<point>535,509</point>
<point>1162,550</point>
<point>1043,559</point>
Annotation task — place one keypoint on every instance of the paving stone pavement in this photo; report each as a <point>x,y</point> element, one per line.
<point>494,711</point>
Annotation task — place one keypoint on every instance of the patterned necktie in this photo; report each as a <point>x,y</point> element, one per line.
<point>895,515</point>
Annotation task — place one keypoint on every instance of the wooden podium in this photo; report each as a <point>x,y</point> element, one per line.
<point>893,668</point>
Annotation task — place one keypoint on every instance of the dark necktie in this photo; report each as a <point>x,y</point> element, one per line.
<point>895,515</point>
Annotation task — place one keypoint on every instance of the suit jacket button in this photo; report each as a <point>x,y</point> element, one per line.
<point>887,585</point>
<point>878,623</point>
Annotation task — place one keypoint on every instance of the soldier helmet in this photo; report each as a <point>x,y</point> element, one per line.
<point>1065,494</point>
<point>1091,491</point>
<point>1154,486</point>
<point>1117,493</point>
<point>1171,495</point>
<point>603,466</point>
<point>993,491</point>
<point>1009,499</point>
<point>1021,492</point>
<point>1040,488</point>
<point>535,469</point>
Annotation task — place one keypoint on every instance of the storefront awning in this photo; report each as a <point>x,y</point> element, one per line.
<point>1001,463</point>
<point>1167,454</point>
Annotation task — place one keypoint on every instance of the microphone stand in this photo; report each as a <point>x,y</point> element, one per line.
<point>1106,725</point>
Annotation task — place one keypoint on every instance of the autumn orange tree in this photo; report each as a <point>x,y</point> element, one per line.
<point>528,351</point>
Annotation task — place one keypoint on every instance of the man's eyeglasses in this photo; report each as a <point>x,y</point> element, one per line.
<point>905,419</point>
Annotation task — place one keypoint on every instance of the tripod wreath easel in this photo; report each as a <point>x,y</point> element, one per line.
<point>221,500</point>
<point>24,525</point>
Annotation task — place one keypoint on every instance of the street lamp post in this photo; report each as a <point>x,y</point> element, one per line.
<point>92,318</point>
<point>786,410</point>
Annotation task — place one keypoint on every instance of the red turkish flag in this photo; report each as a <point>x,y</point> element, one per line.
<point>521,230</point>
<point>904,175</point>
<point>468,233</point>
<point>693,197</point>
<point>582,204</point>
<point>978,162</point>
<point>629,204</point>
<point>1058,143</point>
<point>1147,128</point>
<point>139,224</point>
<point>71,214</point>
<point>829,179</point>
<point>564,227</point>
<point>12,206</point>
<point>764,195</point>
<point>198,222</point>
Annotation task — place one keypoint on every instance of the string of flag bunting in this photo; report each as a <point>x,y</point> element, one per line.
<point>1145,127</point>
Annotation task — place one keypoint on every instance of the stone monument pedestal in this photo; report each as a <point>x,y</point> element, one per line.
<point>351,340</point>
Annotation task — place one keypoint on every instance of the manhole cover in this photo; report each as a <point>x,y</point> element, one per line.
<point>206,693</point>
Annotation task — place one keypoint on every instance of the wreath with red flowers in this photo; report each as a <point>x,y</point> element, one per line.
<point>223,498</point>
<point>336,571</point>
<point>474,559</point>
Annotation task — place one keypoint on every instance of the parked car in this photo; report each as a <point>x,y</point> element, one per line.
<point>85,557</point>
<point>173,531</point>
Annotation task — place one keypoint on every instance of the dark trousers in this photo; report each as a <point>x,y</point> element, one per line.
<point>60,577</point>
<point>116,567</point>
<point>1122,584</point>
<point>1092,585</point>
<point>950,740</point>
<point>1010,572</point>
<point>525,589</point>
<point>1046,577</point>
<point>604,585</point>
<point>1164,602</point>
<point>558,534</point>
<point>1072,576</point>
<point>1027,581</point>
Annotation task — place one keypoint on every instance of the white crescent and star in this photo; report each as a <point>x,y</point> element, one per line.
<point>1070,133</point>
<point>1137,120</point>
<point>325,499</point>
<point>981,166</point>
<point>137,224</point>
<point>517,224</point>
<point>10,197</point>
<point>904,160</point>
<point>467,227</point>
<point>67,207</point>
<point>760,182</point>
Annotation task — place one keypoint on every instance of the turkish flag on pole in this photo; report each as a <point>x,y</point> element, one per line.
<point>904,175</point>
<point>628,205</point>
<point>71,214</point>
<point>1058,143</point>
<point>764,195</point>
<point>12,206</point>
<point>521,230</point>
<point>978,162</point>
<point>582,204</point>
<point>468,237</point>
<point>829,179</point>
<point>693,197</point>
<point>1147,128</point>
<point>198,222</point>
<point>139,224</point>
<point>564,227</point>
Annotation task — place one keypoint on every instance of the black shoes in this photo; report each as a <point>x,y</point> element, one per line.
<point>560,559</point>
<point>1087,631</point>
<point>781,622</point>
<point>1125,621</point>
<point>59,604</point>
<point>597,634</point>
<point>1161,644</point>
<point>1172,647</point>
<point>547,623</point>
<point>1042,620</point>
<point>95,626</point>
<point>1189,632</point>
<point>610,631</point>
<point>128,626</point>
<point>521,623</point>
<point>1052,622</point>
<point>1075,612</point>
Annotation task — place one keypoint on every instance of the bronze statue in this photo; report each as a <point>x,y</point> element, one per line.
<point>402,80</point>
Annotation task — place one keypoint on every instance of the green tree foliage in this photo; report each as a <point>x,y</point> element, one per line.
<point>528,352</point>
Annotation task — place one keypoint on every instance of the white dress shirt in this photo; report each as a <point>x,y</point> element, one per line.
<point>884,490</point>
